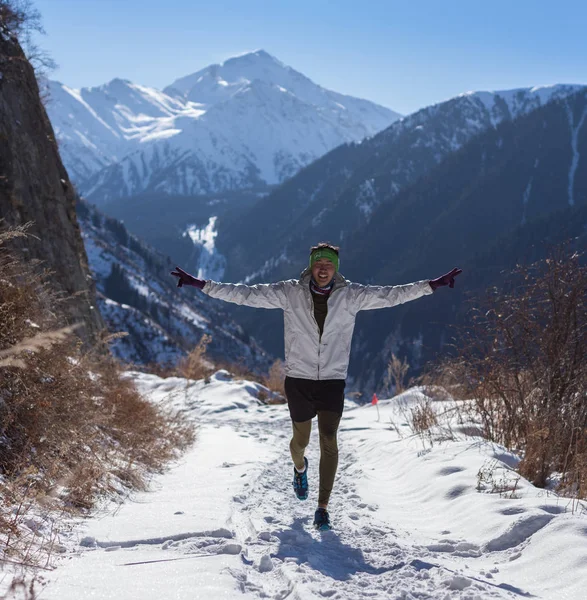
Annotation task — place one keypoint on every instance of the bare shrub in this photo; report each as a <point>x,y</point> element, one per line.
<point>69,422</point>
<point>18,16</point>
<point>494,478</point>
<point>524,357</point>
<point>163,370</point>
<point>446,380</point>
<point>149,437</point>
<point>195,365</point>
<point>23,20</point>
<point>396,373</point>
<point>21,589</point>
<point>423,417</point>
<point>276,378</point>
<point>240,370</point>
<point>41,341</point>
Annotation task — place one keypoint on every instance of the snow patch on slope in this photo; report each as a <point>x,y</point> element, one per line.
<point>269,265</point>
<point>211,264</point>
<point>575,129</point>
<point>367,198</point>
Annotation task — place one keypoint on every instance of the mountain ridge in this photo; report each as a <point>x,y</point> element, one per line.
<point>508,182</point>
<point>229,127</point>
<point>338,194</point>
<point>137,295</point>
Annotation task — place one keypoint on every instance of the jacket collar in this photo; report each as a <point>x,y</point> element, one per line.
<point>306,276</point>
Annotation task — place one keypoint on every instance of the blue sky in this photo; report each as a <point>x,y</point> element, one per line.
<point>402,54</point>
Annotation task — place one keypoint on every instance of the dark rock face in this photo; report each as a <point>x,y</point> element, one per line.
<point>34,186</point>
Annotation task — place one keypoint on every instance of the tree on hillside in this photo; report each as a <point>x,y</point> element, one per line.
<point>118,288</point>
<point>21,19</point>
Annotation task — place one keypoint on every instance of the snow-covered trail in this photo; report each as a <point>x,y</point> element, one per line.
<point>362,557</point>
<point>408,520</point>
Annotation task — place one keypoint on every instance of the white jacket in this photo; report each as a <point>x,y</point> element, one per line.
<point>308,354</point>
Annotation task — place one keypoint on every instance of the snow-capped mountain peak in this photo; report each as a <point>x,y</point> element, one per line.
<point>217,82</point>
<point>246,123</point>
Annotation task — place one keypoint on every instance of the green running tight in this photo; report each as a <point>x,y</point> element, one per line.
<point>327,427</point>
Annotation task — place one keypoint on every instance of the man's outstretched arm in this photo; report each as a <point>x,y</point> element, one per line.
<point>370,297</point>
<point>263,295</point>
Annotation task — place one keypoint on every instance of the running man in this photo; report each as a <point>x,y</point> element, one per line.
<point>319,316</point>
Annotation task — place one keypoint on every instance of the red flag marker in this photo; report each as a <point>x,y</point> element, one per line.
<point>375,401</point>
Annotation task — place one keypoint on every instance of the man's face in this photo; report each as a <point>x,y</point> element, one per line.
<point>323,272</point>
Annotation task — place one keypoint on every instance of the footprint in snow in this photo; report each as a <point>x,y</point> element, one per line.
<point>450,470</point>
<point>457,491</point>
<point>519,532</point>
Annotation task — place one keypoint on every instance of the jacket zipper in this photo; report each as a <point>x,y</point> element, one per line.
<point>311,306</point>
<point>318,328</point>
<point>316,322</point>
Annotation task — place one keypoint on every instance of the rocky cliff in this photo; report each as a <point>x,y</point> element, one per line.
<point>34,187</point>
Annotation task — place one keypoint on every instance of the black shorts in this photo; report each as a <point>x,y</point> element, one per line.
<point>305,397</point>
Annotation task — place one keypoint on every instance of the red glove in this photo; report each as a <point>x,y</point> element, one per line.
<point>187,279</point>
<point>448,279</point>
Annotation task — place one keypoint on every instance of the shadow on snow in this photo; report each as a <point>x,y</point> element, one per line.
<point>327,554</point>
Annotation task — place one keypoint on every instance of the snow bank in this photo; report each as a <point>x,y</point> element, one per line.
<point>441,516</point>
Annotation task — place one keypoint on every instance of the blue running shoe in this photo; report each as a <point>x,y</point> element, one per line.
<point>322,520</point>
<point>300,482</point>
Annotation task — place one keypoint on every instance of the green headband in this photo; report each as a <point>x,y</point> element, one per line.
<point>326,253</point>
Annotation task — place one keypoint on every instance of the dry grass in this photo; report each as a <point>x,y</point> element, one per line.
<point>240,371</point>
<point>275,380</point>
<point>396,374</point>
<point>446,380</point>
<point>522,360</point>
<point>20,589</point>
<point>423,417</point>
<point>195,365</point>
<point>163,370</point>
<point>71,419</point>
<point>41,341</point>
<point>71,428</point>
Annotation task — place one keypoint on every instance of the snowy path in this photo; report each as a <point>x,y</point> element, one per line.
<point>363,557</point>
<point>408,520</point>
